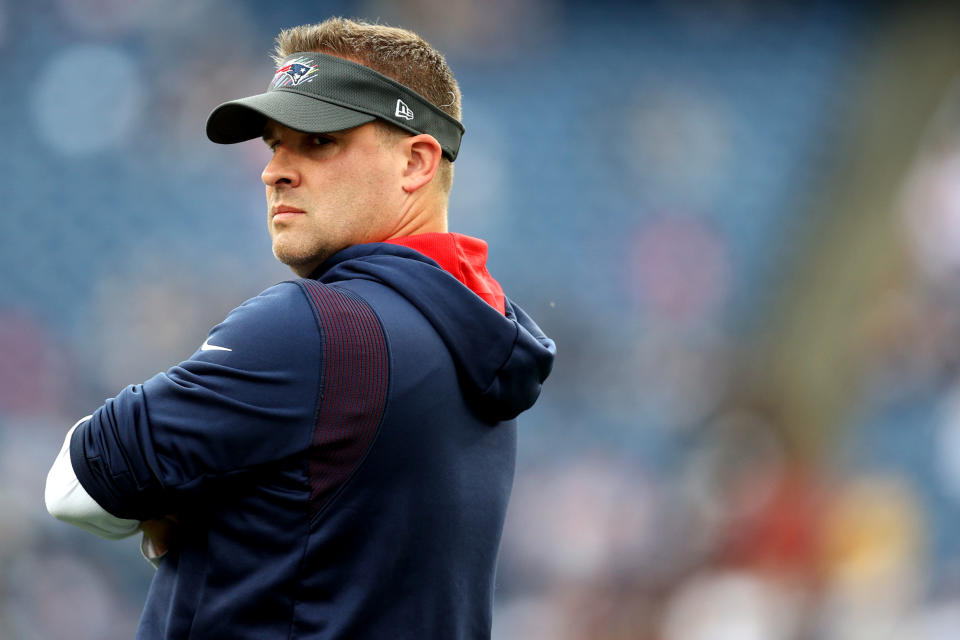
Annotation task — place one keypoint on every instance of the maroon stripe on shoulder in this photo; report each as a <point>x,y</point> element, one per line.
<point>354,380</point>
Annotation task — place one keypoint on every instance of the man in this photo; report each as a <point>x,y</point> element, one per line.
<point>335,460</point>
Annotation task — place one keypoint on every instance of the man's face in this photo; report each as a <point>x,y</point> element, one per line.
<point>328,191</point>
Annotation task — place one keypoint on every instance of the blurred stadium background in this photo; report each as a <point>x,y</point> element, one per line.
<point>739,220</point>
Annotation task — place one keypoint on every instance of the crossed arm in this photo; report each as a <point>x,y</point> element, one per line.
<point>121,469</point>
<point>67,500</point>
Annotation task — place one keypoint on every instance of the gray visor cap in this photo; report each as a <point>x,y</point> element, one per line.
<point>318,93</point>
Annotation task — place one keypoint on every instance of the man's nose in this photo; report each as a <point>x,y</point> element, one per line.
<point>281,170</point>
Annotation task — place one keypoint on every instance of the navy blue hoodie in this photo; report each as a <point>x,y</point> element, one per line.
<point>340,453</point>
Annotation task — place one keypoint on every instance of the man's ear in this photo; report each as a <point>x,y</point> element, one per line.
<point>423,155</point>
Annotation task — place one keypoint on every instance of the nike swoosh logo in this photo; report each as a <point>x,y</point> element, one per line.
<point>206,346</point>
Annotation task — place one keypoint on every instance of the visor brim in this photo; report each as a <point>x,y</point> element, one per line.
<point>244,119</point>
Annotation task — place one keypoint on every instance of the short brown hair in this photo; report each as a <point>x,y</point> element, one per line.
<point>396,53</point>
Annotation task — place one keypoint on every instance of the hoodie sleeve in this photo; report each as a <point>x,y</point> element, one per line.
<point>247,397</point>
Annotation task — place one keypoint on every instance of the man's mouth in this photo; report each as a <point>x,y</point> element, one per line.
<point>285,212</point>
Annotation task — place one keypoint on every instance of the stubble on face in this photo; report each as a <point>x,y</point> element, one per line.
<point>326,227</point>
<point>304,242</point>
<point>301,254</point>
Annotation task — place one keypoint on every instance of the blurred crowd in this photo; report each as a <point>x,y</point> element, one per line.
<point>658,183</point>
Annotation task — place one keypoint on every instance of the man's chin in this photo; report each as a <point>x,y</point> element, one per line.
<point>300,264</point>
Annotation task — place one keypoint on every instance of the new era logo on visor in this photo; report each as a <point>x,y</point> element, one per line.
<point>403,111</point>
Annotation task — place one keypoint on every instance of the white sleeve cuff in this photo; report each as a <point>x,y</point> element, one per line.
<point>67,500</point>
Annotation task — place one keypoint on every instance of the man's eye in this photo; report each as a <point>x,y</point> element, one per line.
<point>320,140</point>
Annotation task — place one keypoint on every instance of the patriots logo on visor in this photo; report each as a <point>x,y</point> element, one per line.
<point>294,72</point>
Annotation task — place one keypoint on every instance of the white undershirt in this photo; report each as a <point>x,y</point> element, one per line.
<point>67,500</point>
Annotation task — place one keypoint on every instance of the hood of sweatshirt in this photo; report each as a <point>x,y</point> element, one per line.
<point>502,356</point>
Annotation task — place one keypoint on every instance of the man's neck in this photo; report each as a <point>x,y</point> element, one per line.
<point>421,216</point>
